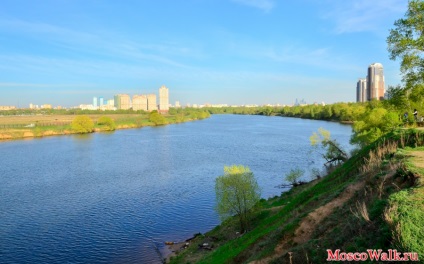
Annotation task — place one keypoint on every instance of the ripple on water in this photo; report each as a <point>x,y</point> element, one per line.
<point>114,198</point>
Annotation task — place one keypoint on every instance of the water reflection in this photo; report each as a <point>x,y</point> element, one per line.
<point>111,197</point>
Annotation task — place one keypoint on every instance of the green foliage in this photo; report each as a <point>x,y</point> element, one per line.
<point>237,192</point>
<point>82,124</point>
<point>397,98</point>
<point>266,111</point>
<point>334,154</point>
<point>406,42</point>
<point>157,118</point>
<point>373,124</point>
<point>407,216</point>
<point>294,175</point>
<point>107,122</point>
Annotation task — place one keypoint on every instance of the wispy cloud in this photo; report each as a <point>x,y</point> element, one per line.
<point>265,5</point>
<point>361,15</point>
<point>109,44</point>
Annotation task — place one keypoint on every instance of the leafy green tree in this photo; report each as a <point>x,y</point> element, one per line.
<point>397,98</point>
<point>406,42</point>
<point>334,153</point>
<point>373,124</point>
<point>237,192</point>
<point>157,118</point>
<point>267,111</point>
<point>82,124</point>
<point>294,175</point>
<point>107,122</point>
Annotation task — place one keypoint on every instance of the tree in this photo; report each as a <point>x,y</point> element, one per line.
<point>82,124</point>
<point>107,122</point>
<point>406,42</point>
<point>373,124</point>
<point>157,118</point>
<point>293,176</point>
<point>334,153</point>
<point>237,192</point>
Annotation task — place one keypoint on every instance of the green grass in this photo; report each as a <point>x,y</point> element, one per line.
<point>121,121</point>
<point>277,218</point>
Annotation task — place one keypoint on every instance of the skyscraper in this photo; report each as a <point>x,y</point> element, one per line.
<point>139,102</point>
<point>101,101</point>
<point>375,82</point>
<point>361,90</point>
<point>122,101</point>
<point>151,102</point>
<point>95,102</point>
<point>163,99</point>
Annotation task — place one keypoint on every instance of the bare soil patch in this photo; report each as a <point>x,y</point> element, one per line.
<point>310,222</point>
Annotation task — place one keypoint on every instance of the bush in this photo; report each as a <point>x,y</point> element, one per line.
<point>82,124</point>
<point>157,118</point>
<point>107,122</point>
<point>294,175</point>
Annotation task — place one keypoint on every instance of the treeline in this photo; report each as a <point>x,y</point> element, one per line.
<point>172,111</point>
<point>348,112</point>
<point>370,120</point>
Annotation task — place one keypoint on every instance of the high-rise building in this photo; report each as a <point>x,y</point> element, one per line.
<point>151,102</point>
<point>361,90</point>
<point>139,102</point>
<point>163,99</point>
<point>375,82</point>
<point>95,102</point>
<point>177,104</point>
<point>122,101</point>
<point>101,101</point>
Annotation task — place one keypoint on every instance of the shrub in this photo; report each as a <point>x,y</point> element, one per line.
<point>107,122</point>
<point>82,124</point>
<point>157,118</point>
<point>294,175</point>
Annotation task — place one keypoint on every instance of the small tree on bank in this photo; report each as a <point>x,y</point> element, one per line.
<point>293,177</point>
<point>82,124</point>
<point>156,118</point>
<point>107,122</point>
<point>237,192</point>
<point>334,153</point>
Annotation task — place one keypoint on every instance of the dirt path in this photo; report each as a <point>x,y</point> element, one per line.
<point>309,223</point>
<point>418,158</point>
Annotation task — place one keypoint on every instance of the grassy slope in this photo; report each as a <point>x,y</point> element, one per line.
<point>390,220</point>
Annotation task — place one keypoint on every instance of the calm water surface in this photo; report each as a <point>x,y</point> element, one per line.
<point>114,198</point>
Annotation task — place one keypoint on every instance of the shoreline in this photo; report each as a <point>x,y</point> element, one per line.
<point>30,133</point>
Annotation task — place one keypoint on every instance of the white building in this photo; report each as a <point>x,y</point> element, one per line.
<point>163,99</point>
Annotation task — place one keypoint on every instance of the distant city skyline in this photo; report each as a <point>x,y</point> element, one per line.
<point>59,52</point>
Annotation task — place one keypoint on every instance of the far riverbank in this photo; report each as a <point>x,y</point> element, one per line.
<point>36,126</point>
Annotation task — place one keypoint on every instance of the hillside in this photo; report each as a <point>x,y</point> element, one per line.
<point>373,201</point>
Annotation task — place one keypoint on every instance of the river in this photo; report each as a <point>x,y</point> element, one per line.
<point>115,197</point>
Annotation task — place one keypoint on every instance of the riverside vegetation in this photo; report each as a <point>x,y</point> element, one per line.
<point>372,200</point>
<point>24,123</point>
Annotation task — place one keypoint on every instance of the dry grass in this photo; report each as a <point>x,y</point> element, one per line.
<point>361,211</point>
<point>9,120</point>
<point>376,157</point>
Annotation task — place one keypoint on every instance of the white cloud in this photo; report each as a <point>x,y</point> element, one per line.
<point>265,5</point>
<point>106,44</point>
<point>362,15</point>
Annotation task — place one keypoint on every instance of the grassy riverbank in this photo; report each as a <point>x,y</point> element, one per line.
<point>47,124</point>
<point>375,200</point>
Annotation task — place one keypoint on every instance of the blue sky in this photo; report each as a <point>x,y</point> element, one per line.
<point>64,52</point>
